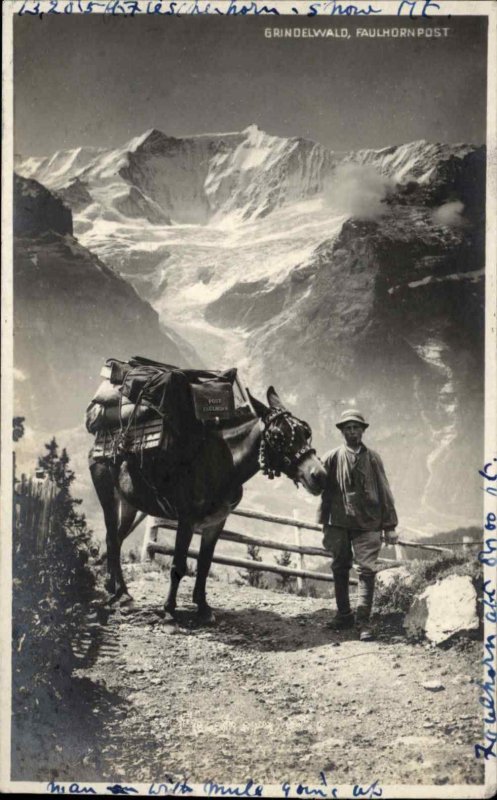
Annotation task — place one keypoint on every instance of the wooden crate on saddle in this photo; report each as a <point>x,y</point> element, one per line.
<point>145,435</point>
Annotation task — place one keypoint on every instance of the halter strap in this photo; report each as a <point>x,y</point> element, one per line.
<point>274,415</point>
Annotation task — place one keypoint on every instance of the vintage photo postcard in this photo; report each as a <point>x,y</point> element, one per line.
<point>249,429</point>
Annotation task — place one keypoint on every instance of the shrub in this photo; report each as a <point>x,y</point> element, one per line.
<point>53,587</point>
<point>132,556</point>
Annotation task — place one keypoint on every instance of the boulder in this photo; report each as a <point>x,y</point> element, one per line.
<point>444,609</point>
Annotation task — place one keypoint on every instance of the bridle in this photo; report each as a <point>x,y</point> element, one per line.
<point>277,443</point>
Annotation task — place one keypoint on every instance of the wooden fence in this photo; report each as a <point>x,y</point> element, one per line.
<point>33,511</point>
<point>151,546</point>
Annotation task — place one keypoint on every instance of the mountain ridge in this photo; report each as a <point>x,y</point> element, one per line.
<point>228,182</point>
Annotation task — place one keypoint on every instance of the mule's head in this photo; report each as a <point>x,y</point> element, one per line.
<point>286,445</point>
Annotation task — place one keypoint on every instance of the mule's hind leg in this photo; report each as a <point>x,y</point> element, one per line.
<point>127,514</point>
<point>208,544</point>
<point>127,525</point>
<point>178,567</point>
<point>104,486</point>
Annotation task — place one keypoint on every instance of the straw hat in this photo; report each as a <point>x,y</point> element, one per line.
<point>352,415</point>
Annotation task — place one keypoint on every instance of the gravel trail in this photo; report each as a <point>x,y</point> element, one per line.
<point>270,693</point>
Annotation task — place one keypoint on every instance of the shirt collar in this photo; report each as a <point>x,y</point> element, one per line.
<point>362,448</point>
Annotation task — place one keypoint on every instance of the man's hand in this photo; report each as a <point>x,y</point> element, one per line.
<point>390,536</point>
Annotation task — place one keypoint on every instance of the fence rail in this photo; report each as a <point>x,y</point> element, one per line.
<point>312,526</point>
<point>258,566</point>
<point>150,546</point>
<point>272,544</point>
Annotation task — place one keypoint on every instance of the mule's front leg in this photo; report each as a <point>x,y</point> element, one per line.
<point>178,567</point>
<point>209,540</point>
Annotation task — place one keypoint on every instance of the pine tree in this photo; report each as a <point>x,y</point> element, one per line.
<point>56,467</point>
<point>284,560</point>
<point>48,461</point>
<point>252,576</point>
<point>17,428</point>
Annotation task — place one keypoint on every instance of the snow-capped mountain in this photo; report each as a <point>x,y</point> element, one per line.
<point>192,180</point>
<point>60,168</point>
<point>413,161</point>
<point>340,277</point>
<point>214,177</point>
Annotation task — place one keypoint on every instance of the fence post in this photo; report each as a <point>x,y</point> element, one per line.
<point>400,553</point>
<point>466,544</point>
<point>301,584</point>
<point>150,536</point>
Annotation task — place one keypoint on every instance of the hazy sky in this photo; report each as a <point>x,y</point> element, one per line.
<point>99,80</point>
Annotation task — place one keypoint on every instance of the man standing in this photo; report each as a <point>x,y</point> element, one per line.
<point>357,510</point>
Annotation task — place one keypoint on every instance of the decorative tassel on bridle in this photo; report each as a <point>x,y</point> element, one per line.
<point>275,445</point>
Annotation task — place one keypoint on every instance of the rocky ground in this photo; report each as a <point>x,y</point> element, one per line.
<point>268,692</point>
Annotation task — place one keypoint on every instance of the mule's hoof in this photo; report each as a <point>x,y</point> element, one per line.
<point>114,600</point>
<point>168,616</point>
<point>126,602</point>
<point>206,615</point>
<point>121,599</point>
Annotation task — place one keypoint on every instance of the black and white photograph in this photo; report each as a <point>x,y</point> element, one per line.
<point>249,446</point>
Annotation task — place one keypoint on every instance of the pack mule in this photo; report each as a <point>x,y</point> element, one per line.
<point>198,483</point>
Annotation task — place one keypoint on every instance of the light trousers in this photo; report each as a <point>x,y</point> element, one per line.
<point>346,545</point>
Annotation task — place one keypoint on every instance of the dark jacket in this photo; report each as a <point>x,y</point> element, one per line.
<point>362,500</point>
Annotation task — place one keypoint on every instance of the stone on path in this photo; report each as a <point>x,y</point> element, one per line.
<point>433,686</point>
<point>444,609</point>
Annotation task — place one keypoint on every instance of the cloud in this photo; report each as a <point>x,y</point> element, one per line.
<point>450,214</point>
<point>357,190</point>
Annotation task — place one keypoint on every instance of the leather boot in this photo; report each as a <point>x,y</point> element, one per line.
<point>344,617</point>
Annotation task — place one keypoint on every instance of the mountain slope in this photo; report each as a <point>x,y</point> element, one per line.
<point>397,327</point>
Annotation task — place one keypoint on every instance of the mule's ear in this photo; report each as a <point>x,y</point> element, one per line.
<point>260,409</point>
<point>273,399</point>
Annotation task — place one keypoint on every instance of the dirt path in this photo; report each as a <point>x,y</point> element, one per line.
<point>270,693</point>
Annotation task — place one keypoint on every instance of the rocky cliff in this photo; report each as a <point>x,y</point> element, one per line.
<point>394,325</point>
<point>38,210</point>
